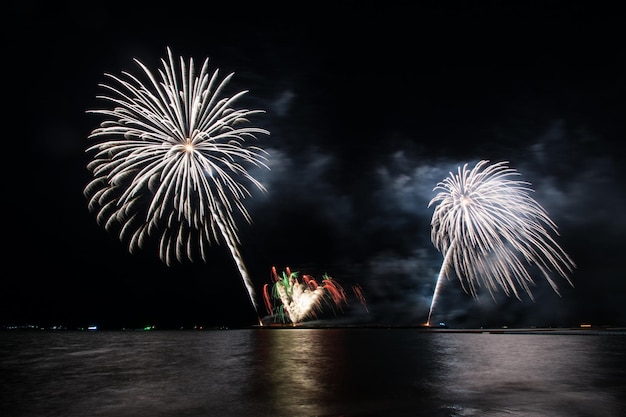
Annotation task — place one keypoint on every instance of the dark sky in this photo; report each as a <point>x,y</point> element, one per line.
<point>369,105</point>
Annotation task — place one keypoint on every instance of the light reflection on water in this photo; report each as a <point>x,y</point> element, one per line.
<point>533,375</point>
<point>338,372</point>
<point>310,372</point>
<point>301,369</point>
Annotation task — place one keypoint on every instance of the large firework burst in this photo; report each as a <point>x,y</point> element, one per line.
<point>171,161</point>
<point>490,230</point>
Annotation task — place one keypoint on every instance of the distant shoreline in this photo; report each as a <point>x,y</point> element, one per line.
<point>437,329</point>
<point>586,330</point>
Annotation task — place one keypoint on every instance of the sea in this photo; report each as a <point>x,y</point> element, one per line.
<point>295,371</point>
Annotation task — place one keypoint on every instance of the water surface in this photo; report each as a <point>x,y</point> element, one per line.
<point>310,372</point>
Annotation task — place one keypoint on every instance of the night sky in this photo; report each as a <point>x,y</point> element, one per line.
<point>369,105</point>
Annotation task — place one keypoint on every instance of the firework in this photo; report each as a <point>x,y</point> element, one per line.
<point>171,162</point>
<point>301,299</point>
<point>490,228</point>
<point>358,292</point>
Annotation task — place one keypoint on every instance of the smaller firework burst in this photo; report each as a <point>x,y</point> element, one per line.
<point>301,299</point>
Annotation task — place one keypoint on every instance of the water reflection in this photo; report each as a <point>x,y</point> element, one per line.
<point>139,374</point>
<point>310,372</point>
<point>300,368</point>
<point>313,372</point>
<point>500,374</point>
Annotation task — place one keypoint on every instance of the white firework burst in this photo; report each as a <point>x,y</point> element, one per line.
<point>490,230</point>
<point>171,161</point>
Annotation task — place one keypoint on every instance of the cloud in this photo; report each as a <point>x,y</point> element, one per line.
<point>368,215</point>
<point>283,103</point>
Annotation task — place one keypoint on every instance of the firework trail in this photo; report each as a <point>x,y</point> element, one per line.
<point>358,291</point>
<point>489,228</point>
<point>301,299</point>
<point>170,160</point>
